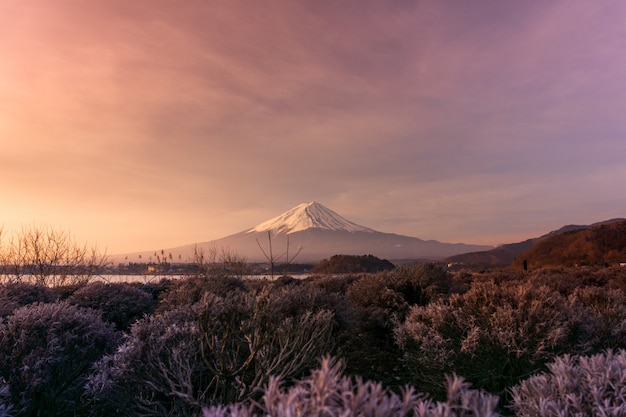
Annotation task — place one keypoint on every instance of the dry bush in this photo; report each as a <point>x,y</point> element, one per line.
<point>567,280</point>
<point>379,302</point>
<point>607,314</point>
<point>245,340</point>
<point>385,298</point>
<point>492,335</point>
<point>617,277</point>
<point>575,386</point>
<point>419,284</point>
<point>330,283</point>
<point>217,351</point>
<point>328,393</point>
<point>49,257</point>
<point>19,294</point>
<point>192,289</point>
<point>414,284</point>
<point>46,352</point>
<point>120,304</point>
<point>6,409</point>
<point>157,371</point>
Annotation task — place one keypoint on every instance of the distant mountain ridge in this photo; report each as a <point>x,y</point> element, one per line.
<point>504,255</point>
<point>321,233</point>
<point>602,243</point>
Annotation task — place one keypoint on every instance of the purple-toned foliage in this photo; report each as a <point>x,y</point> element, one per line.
<point>493,335</point>
<point>19,294</point>
<point>6,409</point>
<point>157,370</point>
<point>330,394</point>
<point>575,386</point>
<point>120,303</point>
<point>217,351</point>
<point>46,352</point>
<point>606,313</point>
<point>191,290</point>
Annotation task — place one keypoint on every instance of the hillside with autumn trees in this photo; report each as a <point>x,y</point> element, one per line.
<point>602,244</point>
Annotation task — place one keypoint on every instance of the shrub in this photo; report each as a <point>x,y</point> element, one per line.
<point>19,294</point>
<point>379,302</point>
<point>344,264</point>
<point>46,351</point>
<point>6,409</point>
<point>419,284</point>
<point>246,340</point>
<point>575,386</point>
<point>378,305</point>
<point>157,371</point>
<point>493,335</point>
<point>607,314</point>
<point>217,351</point>
<point>331,284</point>
<point>567,280</point>
<point>121,304</point>
<point>386,297</point>
<point>327,393</point>
<point>191,290</point>
<point>49,257</point>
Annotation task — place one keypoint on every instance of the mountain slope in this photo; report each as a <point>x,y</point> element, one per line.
<point>306,216</point>
<point>599,244</point>
<point>505,255</point>
<point>320,233</point>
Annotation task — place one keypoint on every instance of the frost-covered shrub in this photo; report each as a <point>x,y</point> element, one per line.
<point>18,294</point>
<point>245,340</point>
<point>46,352</point>
<point>158,370</point>
<point>575,386</point>
<point>492,335</point>
<point>6,409</point>
<point>607,313</point>
<point>327,393</point>
<point>387,296</point>
<point>191,290</point>
<point>330,283</point>
<point>401,287</point>
<point>418,284</point>
<point>217,351</point>
<point>121,304</point>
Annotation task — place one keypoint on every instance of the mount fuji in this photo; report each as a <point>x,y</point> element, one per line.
<point>321,233</point>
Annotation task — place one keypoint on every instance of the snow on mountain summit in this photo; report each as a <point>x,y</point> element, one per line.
<point>306,216</point>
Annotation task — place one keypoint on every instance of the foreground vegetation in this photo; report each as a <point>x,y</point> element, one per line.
<point>541,343</point>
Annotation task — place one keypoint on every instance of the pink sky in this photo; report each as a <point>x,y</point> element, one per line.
<point>140,125</point>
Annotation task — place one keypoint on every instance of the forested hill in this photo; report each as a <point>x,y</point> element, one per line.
<point>598,245</point>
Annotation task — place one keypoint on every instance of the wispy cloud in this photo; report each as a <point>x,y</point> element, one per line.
<point>141,125</point>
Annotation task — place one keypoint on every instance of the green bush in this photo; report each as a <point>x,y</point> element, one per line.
<point>120,304</point>
<point>46,352</point>
<point>492,335</point>
<point>575,386</point>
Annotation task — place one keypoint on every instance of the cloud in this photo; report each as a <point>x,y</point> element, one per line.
<point>443,116</point>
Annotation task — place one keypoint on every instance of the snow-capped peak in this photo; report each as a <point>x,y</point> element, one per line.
<point>307,216</point>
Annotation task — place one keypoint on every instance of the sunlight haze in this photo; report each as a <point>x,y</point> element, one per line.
<point>140,125</point>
